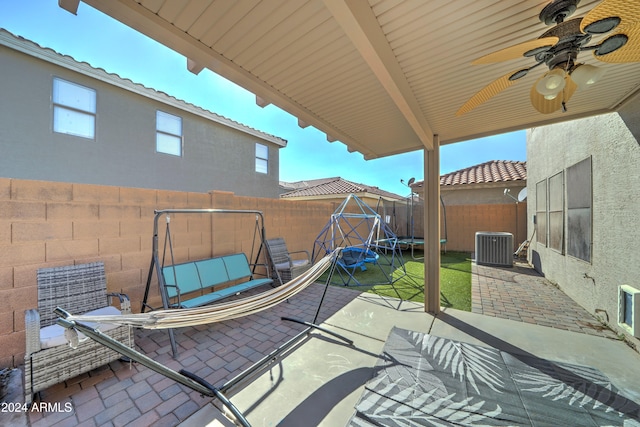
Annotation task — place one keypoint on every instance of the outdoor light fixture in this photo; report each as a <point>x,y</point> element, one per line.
<point>584,75</point>
<point>551,84</point>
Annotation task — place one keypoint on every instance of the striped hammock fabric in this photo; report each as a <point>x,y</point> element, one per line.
<point>178,318</point>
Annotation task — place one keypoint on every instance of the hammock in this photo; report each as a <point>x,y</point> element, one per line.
<point>177,318</point>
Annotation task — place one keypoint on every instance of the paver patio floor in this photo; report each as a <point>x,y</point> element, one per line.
<point>120,394</point>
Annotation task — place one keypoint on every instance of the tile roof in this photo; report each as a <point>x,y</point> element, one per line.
<point>330,187</point>
<point>493,171</point>
<point>488,172</point>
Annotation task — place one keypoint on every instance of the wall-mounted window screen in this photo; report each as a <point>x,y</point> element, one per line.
<point>168,133</point>
<point>74,109</point>
<point>579,198</point>
<point>541,212</point>
<point>262,158</point>
<point>556,212</point>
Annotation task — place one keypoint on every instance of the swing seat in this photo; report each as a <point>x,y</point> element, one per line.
<point>213,279</point>
<point>353,257</point>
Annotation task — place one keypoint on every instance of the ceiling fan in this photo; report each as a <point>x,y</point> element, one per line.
<point>558,48</point>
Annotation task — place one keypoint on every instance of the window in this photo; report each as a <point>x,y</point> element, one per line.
<point>262,158</point>
<point>556,212</point>
<point>74,109</point>
<point>168,134</point>
<point>541,211</point>
<point>579,227</point>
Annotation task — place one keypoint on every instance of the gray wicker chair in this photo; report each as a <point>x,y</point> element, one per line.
<point>77,289</point>
<point>284,266</point>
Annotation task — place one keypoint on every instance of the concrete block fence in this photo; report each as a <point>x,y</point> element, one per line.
<point>47,224</point>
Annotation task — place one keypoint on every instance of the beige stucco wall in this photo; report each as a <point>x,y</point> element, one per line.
<point>481,194</point>
<point>615,208</point>
<point>215,156</point>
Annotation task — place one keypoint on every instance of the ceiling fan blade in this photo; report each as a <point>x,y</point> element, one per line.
<point>548,106</point>
<point>630,52</point>
<point>488,92</point>
<point>627,11</point>
<point>517,51</point>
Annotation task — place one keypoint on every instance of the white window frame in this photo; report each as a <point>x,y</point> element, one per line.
<point>169,134</point>
<point>74,109</point>
<point>262,158</point>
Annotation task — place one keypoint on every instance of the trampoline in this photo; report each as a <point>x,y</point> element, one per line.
<point>413,242</point>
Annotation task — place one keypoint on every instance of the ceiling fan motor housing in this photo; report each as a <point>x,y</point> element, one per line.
<point>565,52</point>
<point>557,11</point>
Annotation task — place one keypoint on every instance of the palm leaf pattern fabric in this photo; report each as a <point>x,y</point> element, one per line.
<point>425,380</point>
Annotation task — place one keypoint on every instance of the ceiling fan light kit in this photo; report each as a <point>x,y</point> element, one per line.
<point>551,84</point>
<point>585,75</point>
<point>558,48</point>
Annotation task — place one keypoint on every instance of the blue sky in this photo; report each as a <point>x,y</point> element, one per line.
<point>105,43</point>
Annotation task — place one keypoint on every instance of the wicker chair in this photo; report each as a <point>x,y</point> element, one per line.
<point>79,289</point>
<point>284,266</point>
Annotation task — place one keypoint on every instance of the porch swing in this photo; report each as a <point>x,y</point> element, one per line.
<point>210,279</point>
<point>191,273</point>
<point>173,318</point>
<point>169,318</point>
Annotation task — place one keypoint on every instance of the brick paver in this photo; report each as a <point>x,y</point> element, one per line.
<point>121,394</point>
<point>521,294</point>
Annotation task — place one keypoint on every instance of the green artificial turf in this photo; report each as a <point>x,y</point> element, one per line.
<point>455,280</point>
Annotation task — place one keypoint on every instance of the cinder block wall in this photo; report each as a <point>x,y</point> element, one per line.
<point>463,221</point>
<point>47,224</point>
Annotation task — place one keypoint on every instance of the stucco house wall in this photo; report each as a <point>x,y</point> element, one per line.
<point>217,153</point>
<point>615,158</point>
<point>485,194</point>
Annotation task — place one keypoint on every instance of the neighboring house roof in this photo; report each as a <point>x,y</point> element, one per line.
<point>489,172</point>
<point>332,187</point>
<point>289,186</point>
<point>31,48</point>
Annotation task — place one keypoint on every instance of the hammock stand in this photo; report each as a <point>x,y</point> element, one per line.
<point>74,324</point>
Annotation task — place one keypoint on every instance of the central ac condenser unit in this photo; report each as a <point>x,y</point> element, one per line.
<point>494,248</point>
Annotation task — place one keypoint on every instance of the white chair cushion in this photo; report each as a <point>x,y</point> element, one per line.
<point>53,336</point>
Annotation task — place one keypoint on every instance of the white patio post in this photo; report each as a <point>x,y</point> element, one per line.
<point>432,228</point>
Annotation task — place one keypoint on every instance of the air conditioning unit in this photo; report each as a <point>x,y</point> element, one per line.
<point>494,248</point>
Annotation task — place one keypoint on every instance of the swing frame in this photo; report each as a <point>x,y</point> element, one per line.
<point>157,264</point>
<point>197,383</point>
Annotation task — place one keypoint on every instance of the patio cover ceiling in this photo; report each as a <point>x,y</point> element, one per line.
<point>381,76</point>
